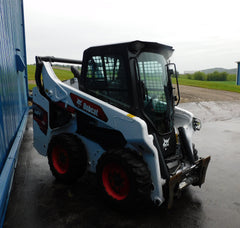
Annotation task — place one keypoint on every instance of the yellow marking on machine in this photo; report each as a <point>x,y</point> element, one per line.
<point>130,115</point>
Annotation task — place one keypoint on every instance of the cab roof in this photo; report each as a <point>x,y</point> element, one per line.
<point>133,48</point>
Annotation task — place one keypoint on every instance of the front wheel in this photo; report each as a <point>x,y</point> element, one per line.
<point>124,178</point>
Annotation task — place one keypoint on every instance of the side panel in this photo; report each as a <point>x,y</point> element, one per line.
<point>40,122</point>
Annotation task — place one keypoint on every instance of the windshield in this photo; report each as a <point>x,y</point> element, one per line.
<point>158,103</point>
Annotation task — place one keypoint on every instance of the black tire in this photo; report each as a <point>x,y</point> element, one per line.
<point>124,178</point>
<point>67,157</point>
<point>187,152</point>
<point>195,153</point>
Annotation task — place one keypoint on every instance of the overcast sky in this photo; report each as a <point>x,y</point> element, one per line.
<point>204,33</point>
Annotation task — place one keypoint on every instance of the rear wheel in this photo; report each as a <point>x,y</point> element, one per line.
<point>67,157</point>
<point>60,159</point>
<point>124,178</point>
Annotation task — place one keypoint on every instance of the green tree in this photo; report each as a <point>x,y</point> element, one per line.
<point>199,76</point>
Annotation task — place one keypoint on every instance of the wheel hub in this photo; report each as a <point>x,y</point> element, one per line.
<point>60,160</point>
<point>116,181</point>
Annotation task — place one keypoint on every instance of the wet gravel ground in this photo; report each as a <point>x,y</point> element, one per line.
<point>37,200</point>
<point>198,94</point>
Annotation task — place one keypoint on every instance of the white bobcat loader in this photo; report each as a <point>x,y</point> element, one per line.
<point>117,118</point>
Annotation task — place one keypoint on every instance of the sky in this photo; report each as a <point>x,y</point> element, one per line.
<point>204,34</point>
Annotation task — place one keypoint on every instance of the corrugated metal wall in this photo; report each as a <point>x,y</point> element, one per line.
<point>13,93</point>
<point>13,87</point>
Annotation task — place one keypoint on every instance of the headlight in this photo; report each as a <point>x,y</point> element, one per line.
<point>196,124</point>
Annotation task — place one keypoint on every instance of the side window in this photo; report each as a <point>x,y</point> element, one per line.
<point>106,79</point>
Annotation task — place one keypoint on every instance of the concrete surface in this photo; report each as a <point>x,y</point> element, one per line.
<point>37,200</point>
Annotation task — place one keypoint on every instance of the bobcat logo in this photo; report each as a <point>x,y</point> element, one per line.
<point>166,143</point>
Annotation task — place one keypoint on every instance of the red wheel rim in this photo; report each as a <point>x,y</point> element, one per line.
<point>60,159</point>
<point>116,181</point>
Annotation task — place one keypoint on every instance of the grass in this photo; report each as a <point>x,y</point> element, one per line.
<point>217,85</point>
<point>224,85</point>
<point>31,72</point>
<point>61,74</point>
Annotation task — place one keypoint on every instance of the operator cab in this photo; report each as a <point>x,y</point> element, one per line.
<point>132,76</point>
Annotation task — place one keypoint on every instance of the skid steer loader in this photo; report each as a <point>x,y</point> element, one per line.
<point>118,118</point>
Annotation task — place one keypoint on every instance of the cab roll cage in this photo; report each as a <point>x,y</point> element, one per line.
<point>50,59</point>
